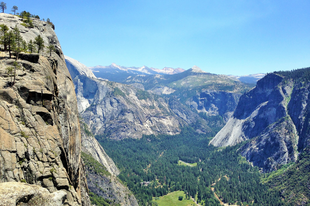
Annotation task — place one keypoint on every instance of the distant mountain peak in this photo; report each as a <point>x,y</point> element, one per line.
<point>143,69</point>
<point>196,69</point>
<point>78,67</point>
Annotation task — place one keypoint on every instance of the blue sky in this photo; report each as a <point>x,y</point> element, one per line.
<point>224,37</point>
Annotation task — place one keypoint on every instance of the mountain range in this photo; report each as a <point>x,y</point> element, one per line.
<point>120,74</point>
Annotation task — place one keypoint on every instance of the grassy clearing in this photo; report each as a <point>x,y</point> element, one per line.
<point>172,199</point>
<point>182,163</point>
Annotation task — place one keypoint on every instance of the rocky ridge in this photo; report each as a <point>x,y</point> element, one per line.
<point>39,125</point>
<point>272,118</point>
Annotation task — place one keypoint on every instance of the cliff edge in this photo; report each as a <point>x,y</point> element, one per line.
<point>39,126</point>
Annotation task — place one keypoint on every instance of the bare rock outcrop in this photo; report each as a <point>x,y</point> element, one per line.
<point>16,193</point>
<point>39,124</point>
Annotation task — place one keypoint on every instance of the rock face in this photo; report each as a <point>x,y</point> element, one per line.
<point>16,193</point>
<point>109,187</point>
<point>105,185</point>
<point>215,103</point>
<point>274,118</point>
<point>91,146</point>
<point>121,111</point>
<point>39,126</point>
<point>214,96</point>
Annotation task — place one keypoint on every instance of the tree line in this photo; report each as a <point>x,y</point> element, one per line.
<point>22,14</point>
<point>12,41</point>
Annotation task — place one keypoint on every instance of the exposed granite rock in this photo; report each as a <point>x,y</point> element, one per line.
<point>91,146</point>
<point>106,185</point>
<point>122,111</point>
<point>16,193</point>
<point>109,187</point>
<point>215,103</point>
<point>266,100</point>
<point>39,123</point>
<point>273,117</point>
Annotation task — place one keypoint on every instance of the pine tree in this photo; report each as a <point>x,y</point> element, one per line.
<point>14,9</point>
<point>10,40</point>
<point>51,48</point>
<point>24,46</point>
<point>18,46</point>
<point>4,30</point>
<point>39,42</point>
<point>16,66</point>
<point>31,46</point>
<point>9,71</point>
<point>3,6</point>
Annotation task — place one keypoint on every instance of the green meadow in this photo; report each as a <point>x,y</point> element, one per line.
<point>172,199</point>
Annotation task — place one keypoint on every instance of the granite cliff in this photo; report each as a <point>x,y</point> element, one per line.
<point>40,151</point>
<point>273,119</point>
<point>121,111</point>
<point>213,96</point>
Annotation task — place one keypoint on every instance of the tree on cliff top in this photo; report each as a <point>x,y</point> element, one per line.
<point>14,9</point>
<point>3,6</point>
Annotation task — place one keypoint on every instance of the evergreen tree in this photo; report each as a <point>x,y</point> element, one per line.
<point>14,9</point>
<point>18,46</point>
<point>3,6</point>
<point>16,66</point>
<point>39,42</point>
<point>4,30</point>
<point>51,48</point>
<point>9,71</point>
<point>31,46</point>
<point>10,40</point>
<point>24,46</point>
<point>12,72</point>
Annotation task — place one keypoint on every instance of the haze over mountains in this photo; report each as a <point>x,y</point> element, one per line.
<point>118,73</point>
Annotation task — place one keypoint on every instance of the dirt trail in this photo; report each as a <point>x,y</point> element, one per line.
<point>195,202</point>
<point>217,197</point>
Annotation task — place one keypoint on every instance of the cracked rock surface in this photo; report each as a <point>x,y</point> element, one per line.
<point>39,127</point>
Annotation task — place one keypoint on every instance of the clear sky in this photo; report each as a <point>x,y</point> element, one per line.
<point>224,37</point>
